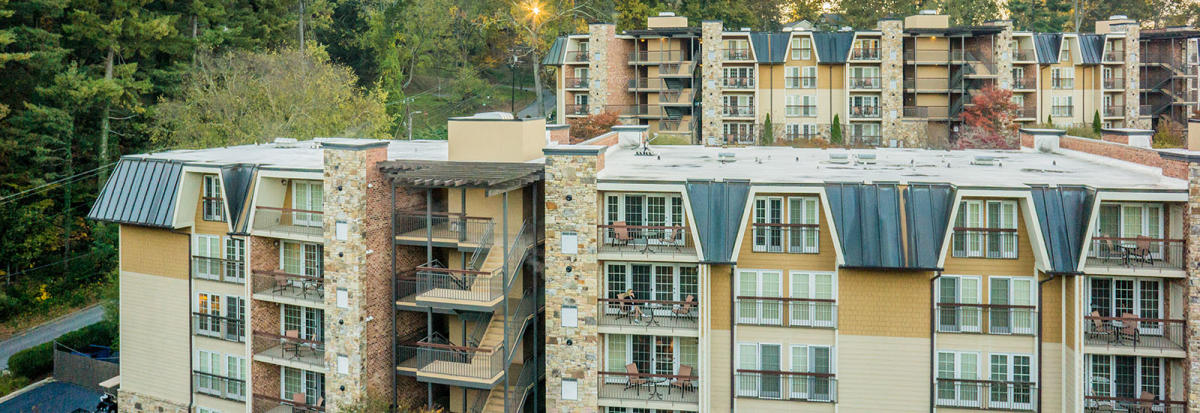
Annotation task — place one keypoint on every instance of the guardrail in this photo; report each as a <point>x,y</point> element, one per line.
<point>1135,332</point>
<point>576,109</point>
<point>739,110</point>
<point>737,54</point>
<point>864,53</point>
<point>219,386</point>
<point>575,82</point>
<point>442,226</point>
<point>984,243</point>
<point>1023,55</point>
<point>866,82</point>
<point>647,386</point>
<point>465,285</point>
<point>620,312</point>
<point>288,222</point>
<point>270,403</point>
<point>459,361</point>
<point>864,112</point>
<point>734,82</point>
<point>292,346</point>
<point>986,318</point>
<point>785,385</point>
<point>1114,83</point>
<point>577,56</point>
<point>786,312</point>
<point>986,394</point>
<point>791,238</point>
<point>1135,253</point>
<point>284,285</point>
<point>1128,404</point>
<point>644,238</point>
<point>219,269</point>
<point>215,326</point>
<point>1024,83</point>
<point>646,56</point>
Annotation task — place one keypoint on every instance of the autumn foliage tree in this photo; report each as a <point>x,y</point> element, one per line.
<point>591,126</point>
<point>989,121</point>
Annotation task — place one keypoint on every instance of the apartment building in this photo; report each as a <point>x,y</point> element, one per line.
<point>326,274</point>
<point>908,79</point>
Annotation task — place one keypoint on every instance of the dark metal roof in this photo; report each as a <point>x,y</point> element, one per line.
<point>832,47</point>
<point>1047,46</point>
<point>1091,47</point>
<point>867,220</point>
<point>718,208</point>
<point>139,192</point>
<point>957,30</point>
<point>665,32</point>
<point>927,209</point>
<point>554,57</point>
<point>237,180</point>
<point>1063,216</point>
<point>496,177</point>
<point>769,47</point>
<point>1169,33</point>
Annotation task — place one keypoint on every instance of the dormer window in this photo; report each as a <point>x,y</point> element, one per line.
<point>986,229</point>
<point>212,205</point>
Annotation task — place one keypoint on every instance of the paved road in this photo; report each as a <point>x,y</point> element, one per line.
<point>548,99</point>
<point>49,331</point>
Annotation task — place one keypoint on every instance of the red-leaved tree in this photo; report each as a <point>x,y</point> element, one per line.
<point>989,122</point>
<point>591,126</point>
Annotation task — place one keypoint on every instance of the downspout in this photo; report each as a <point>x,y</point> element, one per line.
<point>428,261</point>
<point>395,327</point>
<point>932,339</point>
<point>1039,342</point>
<point>191,337</point>
<point>732,338</point>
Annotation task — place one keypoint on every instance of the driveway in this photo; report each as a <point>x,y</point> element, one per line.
<point>49,331</point>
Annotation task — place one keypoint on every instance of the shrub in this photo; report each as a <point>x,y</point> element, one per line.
<point>591,126</point>
<point>768,132</point>
<point>1083,131</point>
<point>10,382</point>
<point>1170,134</point>
<point>38,360</point>
<point>1096,125</point>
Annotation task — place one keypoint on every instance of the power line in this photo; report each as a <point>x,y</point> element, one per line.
<point>51,185</point>
<point>59,262</point>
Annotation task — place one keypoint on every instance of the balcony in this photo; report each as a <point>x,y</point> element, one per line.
<point>1114,83</point>
<point>927,83</point>
<point>793,136</point>
<point>927,112</point>
<point>737,111</point>
<point>733,82</point>
<point>218,327</point>
<point>1112,111</point>
<point>800,238</point>
<point>482,288</point>
<point>277,405</point>
<point>290,349</point>
<point>1062,110</point>
<point>987,394</point>
<point>986,318</point>
<point>785,385</point>
<point>638,316</point>
<point>985,243</point>
<point>633,241</point>
<point>737,54</point>
<point>219,386</point>
<point>864,53</point>
<point>576,109</point>
<point>806,111</point>
<point>656,56</point>
<point>285,288</point>
<point>869,139</point>
<point>577,56</point>
<point>288,223</point>
<point>443,229</point>
<point>219,269</point>
<point>1130,333</point>
<point>786,312</point>
<point>1062,83</point>
<point>664,390</point>
<point>1138,255</point>
<point>1024,83</point>
<point>1027,113</point>
<point>575,83</point>
<point>866,82</point>
<point>1023,55</point>
<point>800,82</point>
<point>740,138</point>
<point>1105,404</point>
<point>482,367</point>
<point>926,56</point>
<point>864,112</point>
<point>1117,56</point>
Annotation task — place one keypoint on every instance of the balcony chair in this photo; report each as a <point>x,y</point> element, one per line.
<point>684,381</point>
<point>299,403</point>
<point>291,343</point>
<point>672,237</point>
<point>634,380</point>
<point>620,235</point>
<point>1145,403</point>
<point>685,309</point>
<point>1129,329</point>
<point>281,283</point>
<point>1101,328</point>
<point>1142,250</point>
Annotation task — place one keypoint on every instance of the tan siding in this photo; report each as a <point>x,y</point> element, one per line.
<point>208,227</point>
<point>891,304</point>
<point>154,251</point>
<point>154,335</point>
<point>719,301</point>
<point>1070,317</point>
<point>825,260</point>
<point>1052,315</point>
<point>759,405</point>
<point>1023,265</point>
<point>883,374</point>
<point>719,377</point>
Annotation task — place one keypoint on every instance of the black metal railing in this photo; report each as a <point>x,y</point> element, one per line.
<point>1024,83</point>
<point>300,403</point>
<point>576,109</point>
<point>459,361</point>
<point>737,54</point>
<point>801,110</point>
<point>1114,56</point>
<point>1136,253</point>
<point>219,386</point>
<point>621,312</point>
<point>986,318</point>
<point>864,53</point>
<point>648,386</point>
<point>737,82</point>
<point>577,56</point>
<point>1113,110</point>
<point>1062,82</point>
<point>219,269</point>
<point>215,326</point>
<point>985,243</point>
<point>1023,55</point>
<point>1114,83</point>
<point>785,385</point>
<point>619,237</point>
<point>738,110</point>
<point>462,285</point>
<point>1130,331</point>
<point>575,82</point>
<point>1098,404</point>
<point>415,227</point>
<point>864,112</point>
<point>792,238</point>
<point>1026,113</point>
<point>786,312</point>
<point>866,82</point>
<point>291,345</point>
<point>986,394</point>
<point>285,285</point>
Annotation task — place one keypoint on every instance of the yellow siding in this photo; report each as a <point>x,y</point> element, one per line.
<point>825,260</point>
<point>152,251</point>
<point>891,304</point>
<point>722,291</point>
<point>1052,315</point>
<point>720,377</point>
<point>1023,265</point>
<point>208,227</point>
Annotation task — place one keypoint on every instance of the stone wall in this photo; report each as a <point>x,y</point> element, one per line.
<point>137,403</point>
<point>1191,310</point>
<point>711,59</point>
<point>1004,60</point>
<point>891,72</point>
<point>1133,118</point>
<point>608,68</point>
<point>572,353</point>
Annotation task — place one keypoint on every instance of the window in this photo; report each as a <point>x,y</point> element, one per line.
<point>644,209</point>
<point>1117,296</point>
<point>737,49</point>
<point>738,105</point>
<point>809,130</point>
<point>307,200</point>
<point>803,228</point>
<point>581,100</point>
<point>809,79</point>
<point>302,258</point>
<point>986,229</point>
<point>307,321</point>
<point>311,384</point>
<point>235,308</point>
<point>1019,100</point>
<point>865,133</point>
<point>801,48</point>
<point>1018,72</point>
<point>811,359</point>
<point>208,250</point>
<point>739,77</point>
<point>1125,376</point>
<point>208,320</point>
<point>768,228</point>
<point>864,106</point>
<point>759,357</point>
<point>209,365</point>
<point>1016,292</point>
<point>206,410</point>
<point>1012,384</point>
<point>956,374</point>
<point>866,49</point>
<point>1061,105</point>
<point>1063,77</point>
<point>235,257</point>
<point>816,293</point>
<point>651,354</point>
<point>864,77</point>
<point>738,132</point>
<point>212,205</point>
<point>792,130</point>
<point>794,105</point>
<point>1131,220</point>
<point>792,78</point>
<point>958,304</point>
<point>235,369</point>
<point>666,282</point>
<point>759,283</point>
<point>1108,74</point>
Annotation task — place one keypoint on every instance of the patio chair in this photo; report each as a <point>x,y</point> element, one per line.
<point>621,233</point>
<point>684,381</point>
<point>291,343</point>
<point>671,238</point>
<point>281,283</point>
<point>634,380</point>
<point>299,402</point>
<point>1145,403</point>
<point>1129,328</point>
<point>1140,250</point>
<point>685,309</point>
<point>1101,328</point>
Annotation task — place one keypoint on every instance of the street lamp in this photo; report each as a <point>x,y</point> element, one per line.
<point>410,115</point>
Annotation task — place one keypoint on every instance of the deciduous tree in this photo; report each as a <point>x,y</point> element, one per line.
<point>989,122</point>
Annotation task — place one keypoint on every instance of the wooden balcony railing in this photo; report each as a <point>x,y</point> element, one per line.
<point>785,385</point>
<point>621,312</point>
<point>986,394</point>
<point>986,318</point>
<point>985,243</point>
<point>648,386</point>
<point>1130,331</point>
<point>786,312</point>
<point>1139,253</point>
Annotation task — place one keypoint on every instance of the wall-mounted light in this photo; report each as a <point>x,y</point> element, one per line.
<point>569,268</point>
<point>569,197</point>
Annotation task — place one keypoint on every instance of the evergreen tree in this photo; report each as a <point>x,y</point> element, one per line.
<point>835,131</point>
<point>1096,125</point>
<point>1041,16</point>
<point>768,132</point>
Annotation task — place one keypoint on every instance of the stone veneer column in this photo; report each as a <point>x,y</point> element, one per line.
<point>1191,309</point>
<point>891,70</point>
<point>711,60</point>
<point>572,353</point>
<point>1004,58</point>
<point>1133,115</point>
<point>599,36</point>
<point>357,333</point>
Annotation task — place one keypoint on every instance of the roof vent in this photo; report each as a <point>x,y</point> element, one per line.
<point>928,12</point>
<point>725,157</point>
<point>285,142</point>
<point>1118,17</point>
<point>841,158</point>
<point>984,160</point>
<point>865,158</point>
<point>846,29</point>
<point>666,14</point>
<point>745,29</point>
<point>787,29</point>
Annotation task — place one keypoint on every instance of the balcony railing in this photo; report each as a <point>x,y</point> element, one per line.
<point>645,239</point>
<point>786,312</point>
<point>1135,253</point>
<point>737,111</point>
<point>986,394</point>
<point>1099,404</point>
<point>792,238</point>
<point>655,56</point>
<point>576,109</point>
<point>292,345</point>
<point>272,403</point>
<point>577,56</point>
<point>740,138</point>
<point>926,111</point>
<point>801,135</point>
<point>1027,113</point>
<point>785,385</point>
<point>985,242</point>
<point>465,285</point>
<point>1114,56</point>
<point>737,54</point>
<point>469,362</point>
<point>1132,332</point>
<point>1062,82</point>
<point>797,82</point>
<point>859,138</point>
<point>1114,110</point>
<point>287,222</point>
<point>1024,83</point>
<point>1114,83</point>
<point>619,312</point>
<point>279,284</point>
<point>734,82</point>
<point>986,318</point>
<point>575,83</point>
<point>801,110</point>
<point>648,386</point>
<point>219,269</point>
<point>865,82</point>
<point>858,112</point>
<point>864,53</point>
<point>219,386</point>
<point>1023,55</point>
<point>1062,110</point>
<point>215,326</point>
<point>442,227</point>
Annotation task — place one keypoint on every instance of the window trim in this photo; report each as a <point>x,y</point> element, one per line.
<point>212,203</point>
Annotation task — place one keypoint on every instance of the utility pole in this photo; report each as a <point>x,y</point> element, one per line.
<point>67,203</point>
<point>301,26</point>
<point>410,115</point>
<point>512,97</point>
<point>108,71</point>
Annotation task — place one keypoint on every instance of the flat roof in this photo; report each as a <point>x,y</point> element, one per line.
<point>787,165</point>
<point>302,155</point>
